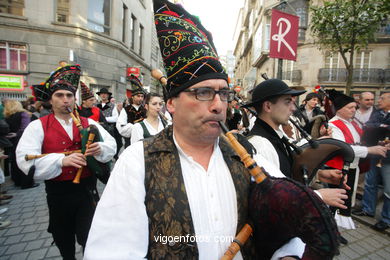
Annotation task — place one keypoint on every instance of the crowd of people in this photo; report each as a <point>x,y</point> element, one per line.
<point>177,189</point>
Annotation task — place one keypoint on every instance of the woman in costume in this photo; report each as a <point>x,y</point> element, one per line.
<point>153,123</point>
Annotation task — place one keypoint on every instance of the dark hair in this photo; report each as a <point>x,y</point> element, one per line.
<point>259,106</point>
<point>311,96</point>
<point>149,97</point>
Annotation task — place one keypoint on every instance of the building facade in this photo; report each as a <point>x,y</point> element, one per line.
<point>106,37</point>
<point>313,66</point>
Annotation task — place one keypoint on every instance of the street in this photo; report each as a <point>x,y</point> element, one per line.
<point>27,237</point>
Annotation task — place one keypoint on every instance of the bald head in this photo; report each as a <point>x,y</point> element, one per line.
<point>366,100</point>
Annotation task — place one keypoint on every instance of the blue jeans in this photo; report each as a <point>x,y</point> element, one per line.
<point>372,179</point>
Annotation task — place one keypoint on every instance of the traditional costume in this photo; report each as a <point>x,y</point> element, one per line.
<point>71,206</point>
<point>349,132</point>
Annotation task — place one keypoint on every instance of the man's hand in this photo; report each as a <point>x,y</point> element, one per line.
<point>93,149</point>
<point>333,176</point>
<point>334,197</point>
<point>74,160</point>
<point>378,150</point>
<point>326,132</point>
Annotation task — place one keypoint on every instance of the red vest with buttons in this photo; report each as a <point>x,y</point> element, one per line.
<point>56,140</point>
<point>338,162</point>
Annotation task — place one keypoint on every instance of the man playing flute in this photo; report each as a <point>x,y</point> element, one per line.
<point>71,206</point>
<point>184,193</point>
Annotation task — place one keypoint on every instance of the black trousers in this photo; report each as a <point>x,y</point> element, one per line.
<point>71,208</point>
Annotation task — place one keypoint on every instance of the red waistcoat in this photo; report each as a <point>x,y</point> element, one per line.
<point>57,140</point>
<point>338,162</point>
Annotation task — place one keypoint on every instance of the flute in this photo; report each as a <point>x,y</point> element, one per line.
<point>29,157</point>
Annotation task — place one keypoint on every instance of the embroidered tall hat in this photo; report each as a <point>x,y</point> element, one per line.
<point>66,78</point>
<point>86,93</point>
<point>136,85</point>
<point>187,48</point>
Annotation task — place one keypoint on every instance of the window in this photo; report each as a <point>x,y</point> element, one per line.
<point>132,29</point>
<point>15,7</point>
<point>363,59</point>
<point>13,56</point>
<point>141,36</point>
<point>124,22</point>
<point>331,60</point>
<point>267,34</point>
<point>288,68</point>
<point>99,15</point>
<point>62,14</point>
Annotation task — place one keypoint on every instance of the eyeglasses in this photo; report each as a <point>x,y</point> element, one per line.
<point>208,94</point>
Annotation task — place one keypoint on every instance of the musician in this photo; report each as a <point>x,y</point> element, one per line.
<point>153,122</point>
<point>110,112</point>
<point>88,108</point>
<point>347,130</point>
<point>308,111</point>
<point>273,102</point>
<point>380,121</point>
<point>234,116</point>
<point>132,113</point>
<point>184,183</point>
<point>71,206</point>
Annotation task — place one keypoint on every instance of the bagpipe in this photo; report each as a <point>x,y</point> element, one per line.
<point>88,135</point>
<point>281,209</point>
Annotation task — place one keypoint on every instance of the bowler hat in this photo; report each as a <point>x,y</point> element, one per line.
<point>104,91</point>
<point>271,88</point>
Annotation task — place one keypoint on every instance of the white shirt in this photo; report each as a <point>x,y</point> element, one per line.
<point>114,115</point>
<point>120,226</point>
<point>137,132</point>
<point>360,151</point>
<point>363,117</point>
<point>50,166</point>
<point>122,126</point>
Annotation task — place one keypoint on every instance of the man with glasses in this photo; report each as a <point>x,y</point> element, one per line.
<point>182,194</point>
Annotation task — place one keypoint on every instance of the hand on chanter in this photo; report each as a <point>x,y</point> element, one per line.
<point>334,197</point>
<point>93,149</point>
<point>333,176</point>
<point>74,160</point>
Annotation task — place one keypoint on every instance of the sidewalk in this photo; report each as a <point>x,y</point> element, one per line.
<point>27,238</point>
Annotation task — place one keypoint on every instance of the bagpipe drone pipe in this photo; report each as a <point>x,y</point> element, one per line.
<point>281,209</point>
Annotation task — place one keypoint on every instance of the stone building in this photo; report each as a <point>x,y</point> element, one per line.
<point>106,37</point>
<point>313,66</point>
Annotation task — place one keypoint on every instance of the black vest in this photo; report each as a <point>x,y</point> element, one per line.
<point>166,199</point>
<point>261,128</point>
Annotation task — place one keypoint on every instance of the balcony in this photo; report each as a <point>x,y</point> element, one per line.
<point>373,76</point>
<point>295,76</point>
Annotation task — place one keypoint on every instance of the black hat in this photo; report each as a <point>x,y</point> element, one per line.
<point>340,100</point>
<point>187,48</point>
<point>271,88</point>
<point>104,91</point>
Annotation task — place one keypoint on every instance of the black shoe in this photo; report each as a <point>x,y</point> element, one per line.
<point>31,186</point>
<point>380,226</point>
<point>361,213</point>
<point>343,240</point>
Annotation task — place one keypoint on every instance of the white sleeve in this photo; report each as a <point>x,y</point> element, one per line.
<point>120,228</point>
<point>137,133</point>
<point>294,247</point>
<point>108,146</point>
<point>123,127</point>
<point>264,147</point>
<point>360,151</point>
<point>114,116</point>
<point>47,167</point>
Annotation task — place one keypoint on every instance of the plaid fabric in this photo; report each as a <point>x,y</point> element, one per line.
<point>186,46</point>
